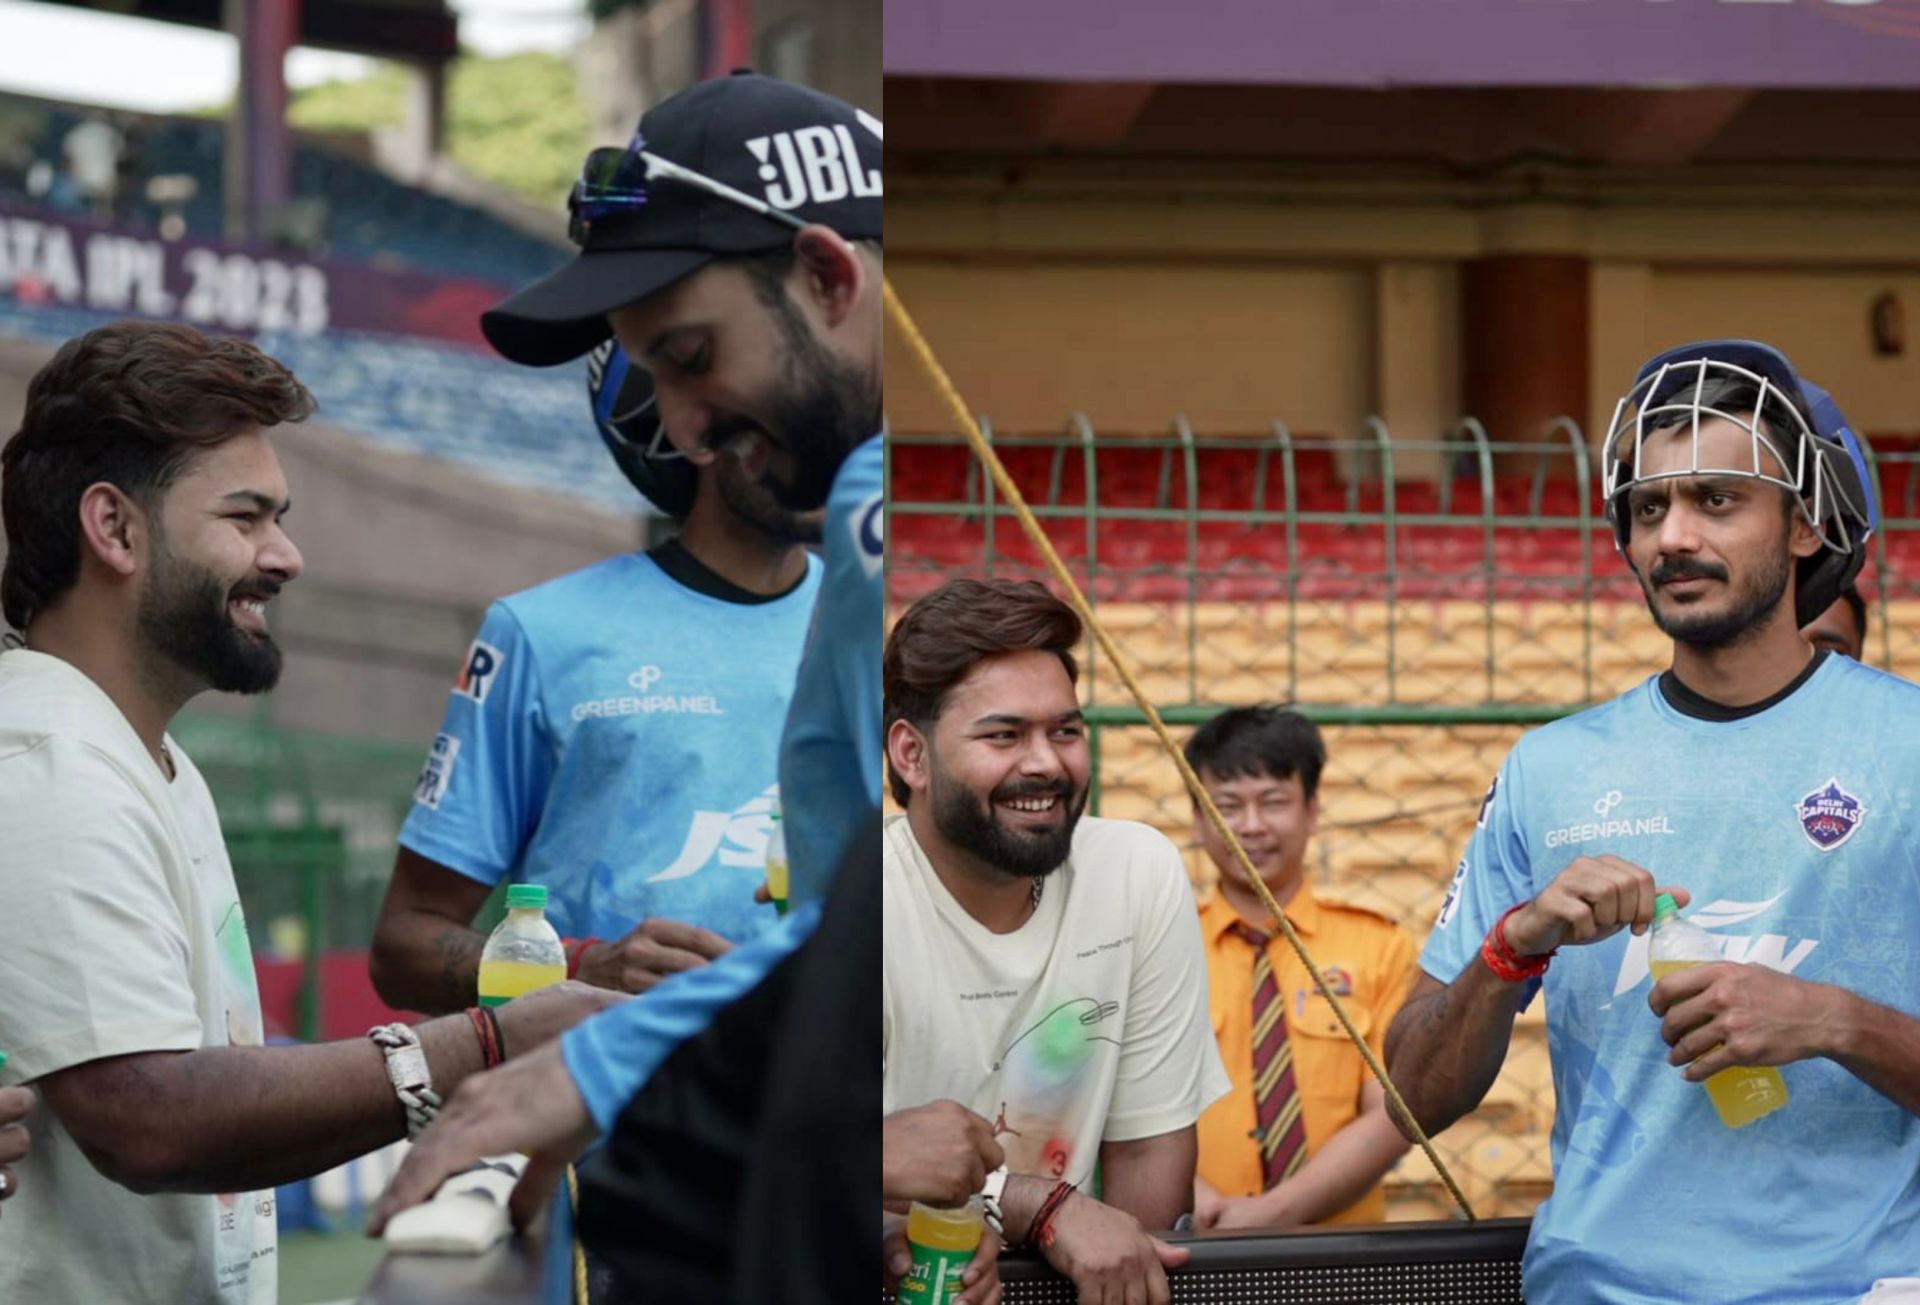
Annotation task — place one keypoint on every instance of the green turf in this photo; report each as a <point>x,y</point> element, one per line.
<point>317,1267</point>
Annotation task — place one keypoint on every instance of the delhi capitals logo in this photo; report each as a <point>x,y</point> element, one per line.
<point>1829,815</point>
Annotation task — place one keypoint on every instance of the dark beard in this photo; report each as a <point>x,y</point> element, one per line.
<point>756,502</point>
<point>969,824</point>
<point>828,411</point>
<point>1753,603</point>
<point>822,423</point>
<point>183,617</point>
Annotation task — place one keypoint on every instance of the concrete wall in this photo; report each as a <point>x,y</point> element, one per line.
<point>1139,299</point>
<point>643,54</point>
<point>840,38</point>
<point>1821,318</point>
<point>1133,343</point>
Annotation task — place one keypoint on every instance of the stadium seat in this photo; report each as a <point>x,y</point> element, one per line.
<point>370,216</point>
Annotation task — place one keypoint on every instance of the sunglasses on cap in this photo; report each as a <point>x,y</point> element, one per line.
<point>613,190</point>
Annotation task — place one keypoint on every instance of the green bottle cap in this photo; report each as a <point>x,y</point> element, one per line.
<point>1664,907</point>
<point>527,895</point>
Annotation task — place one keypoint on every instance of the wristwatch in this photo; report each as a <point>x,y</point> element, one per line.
<point>407,1071</point>
<point>990,1198</point>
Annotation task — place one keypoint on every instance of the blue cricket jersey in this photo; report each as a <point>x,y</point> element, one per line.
<point>1795,831</point>
<point>830,762</point>
<point>612,735</point>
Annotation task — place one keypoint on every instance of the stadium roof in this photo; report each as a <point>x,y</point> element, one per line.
<point>1413,43</point>
<point>419,31</point>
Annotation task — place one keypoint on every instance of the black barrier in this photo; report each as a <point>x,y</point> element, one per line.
<point>1370,1264</point>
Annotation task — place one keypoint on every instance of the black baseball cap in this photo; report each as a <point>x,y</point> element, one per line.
<point>791,155</point>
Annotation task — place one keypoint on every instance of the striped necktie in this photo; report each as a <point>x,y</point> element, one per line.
<point>1282,1133</point>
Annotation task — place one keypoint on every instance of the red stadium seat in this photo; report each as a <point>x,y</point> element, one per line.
<point>925,473</point>
<point>1227,478</point>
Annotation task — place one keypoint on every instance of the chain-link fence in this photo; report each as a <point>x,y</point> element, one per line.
<point>1424,623</point>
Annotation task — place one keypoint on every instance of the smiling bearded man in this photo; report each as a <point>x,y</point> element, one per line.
<point>1761,782</point>
<point>1041,968</point>
<point>143,505</point>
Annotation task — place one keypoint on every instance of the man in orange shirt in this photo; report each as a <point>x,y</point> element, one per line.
<point>1305,1136</point>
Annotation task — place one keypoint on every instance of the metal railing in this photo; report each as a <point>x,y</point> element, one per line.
<point>1424,621</point>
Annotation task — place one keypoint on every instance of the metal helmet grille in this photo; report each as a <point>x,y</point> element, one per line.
<point>1668,401</point>
<point>622,409</point>
<point>628,418</point>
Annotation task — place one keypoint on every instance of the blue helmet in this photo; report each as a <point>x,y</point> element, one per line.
<point>1815,454</point>
<point>628,420</point>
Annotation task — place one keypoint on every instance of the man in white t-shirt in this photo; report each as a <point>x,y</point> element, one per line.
<point>1042,969</point>
<point>15,1105</point>
<point>143,503</point>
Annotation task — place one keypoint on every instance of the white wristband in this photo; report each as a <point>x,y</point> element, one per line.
<point>407,1071</point>
<point>990,1199</point>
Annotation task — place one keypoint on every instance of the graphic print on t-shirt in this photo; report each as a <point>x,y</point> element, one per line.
<point>1046,1075</point>
<point>245,1219</point>
<point>244,1027</point>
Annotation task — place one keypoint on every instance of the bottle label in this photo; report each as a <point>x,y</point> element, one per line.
<point>935,1276</point>
<point>495,1001</point>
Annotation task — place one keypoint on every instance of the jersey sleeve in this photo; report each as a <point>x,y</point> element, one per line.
<point>95,956</point>
<point>485,781</point>
<point>1495,873</point>
<point>857,665</point>
<point>830,750</point>
<point>1170,1069</point>
<point>611,1055</point>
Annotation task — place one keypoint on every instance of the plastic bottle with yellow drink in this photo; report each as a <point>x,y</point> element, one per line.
<point>523,952</point>
<point>943,1242</point>
<point>1742,1093</point>
<point>777,881</point>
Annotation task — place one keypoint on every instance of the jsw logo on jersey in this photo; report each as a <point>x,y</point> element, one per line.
<point>868,526</point>
<point>738,836</point>
<point>813,165</point>
<point>1774,950</point>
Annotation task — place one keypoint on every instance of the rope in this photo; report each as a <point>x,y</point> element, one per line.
<point>957,409</point>
<point>581,1294</point>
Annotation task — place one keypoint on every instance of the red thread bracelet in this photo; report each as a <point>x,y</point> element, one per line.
<point>1040,1231</point>
<point>1506,963</point>
<point>499,1037</point>
<point>484,1029</point>
<point>576,948</point>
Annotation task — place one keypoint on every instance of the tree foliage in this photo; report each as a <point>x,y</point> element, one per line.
<point>517,120</point>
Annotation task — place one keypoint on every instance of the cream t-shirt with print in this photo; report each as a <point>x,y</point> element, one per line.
<point>1087,1024</point>
<point>121,932</point>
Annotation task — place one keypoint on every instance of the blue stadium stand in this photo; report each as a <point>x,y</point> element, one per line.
<point>528,427</point>
<point>371,217</point>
